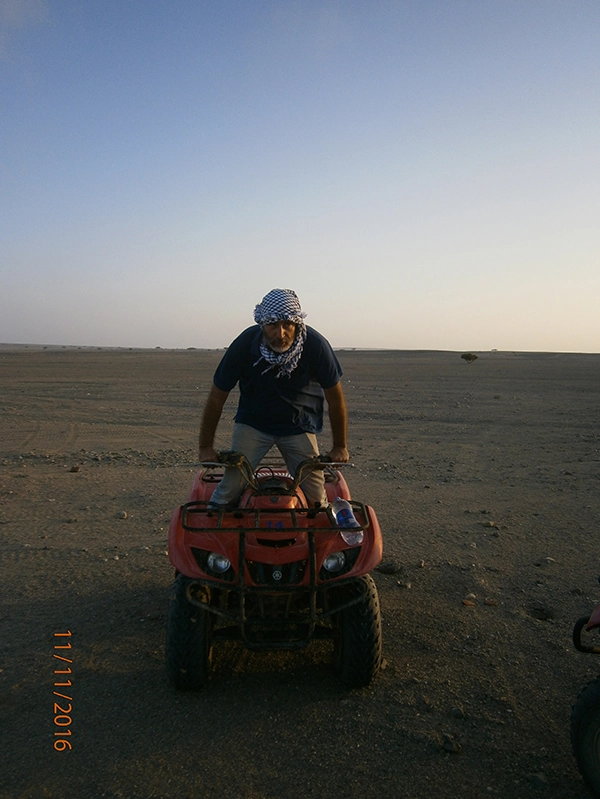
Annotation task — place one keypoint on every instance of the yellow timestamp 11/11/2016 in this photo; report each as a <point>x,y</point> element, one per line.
<point>63,708</point>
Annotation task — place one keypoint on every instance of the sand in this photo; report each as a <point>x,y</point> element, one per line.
<point>485,478</point>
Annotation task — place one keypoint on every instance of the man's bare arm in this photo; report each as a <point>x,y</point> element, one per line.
<point>210,419</point>
<point>338,417</point>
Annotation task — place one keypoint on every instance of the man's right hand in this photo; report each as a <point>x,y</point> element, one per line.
<point>208,455</point>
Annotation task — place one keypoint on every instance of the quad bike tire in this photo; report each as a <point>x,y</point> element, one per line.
<point>585,735</point>
<point>189,644</point>
<point>357,637</point>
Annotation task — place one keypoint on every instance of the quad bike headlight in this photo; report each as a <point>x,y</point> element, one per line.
<point>218,563</point>
<point>334,562</point>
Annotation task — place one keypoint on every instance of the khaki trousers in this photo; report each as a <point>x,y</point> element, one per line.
<point>255,444</point>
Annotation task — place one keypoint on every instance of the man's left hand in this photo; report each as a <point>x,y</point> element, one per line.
<point>339,455</point>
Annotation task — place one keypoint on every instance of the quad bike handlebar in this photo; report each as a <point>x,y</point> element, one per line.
<point>238,460</point>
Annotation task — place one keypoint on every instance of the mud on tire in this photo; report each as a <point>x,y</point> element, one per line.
<point>357,638</point>
<point>585,735</point>
<point>189,632</point>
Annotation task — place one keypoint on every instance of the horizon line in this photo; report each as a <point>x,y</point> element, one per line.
<point>120,348</point>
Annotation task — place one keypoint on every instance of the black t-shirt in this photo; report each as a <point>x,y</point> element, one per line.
<point>279,405</point>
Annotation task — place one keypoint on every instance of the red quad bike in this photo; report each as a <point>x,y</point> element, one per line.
<point>585,716</point>
<point>272,573</point>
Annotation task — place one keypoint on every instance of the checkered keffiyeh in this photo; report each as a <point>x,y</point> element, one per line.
<point>277,306</point>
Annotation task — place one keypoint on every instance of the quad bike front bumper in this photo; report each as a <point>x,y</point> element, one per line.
<point>276,616</point>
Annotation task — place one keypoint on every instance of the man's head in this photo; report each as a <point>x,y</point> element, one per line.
<point>279,336</point>
<point>279,314</point>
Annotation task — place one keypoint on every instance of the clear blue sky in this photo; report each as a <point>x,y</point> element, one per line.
<point>424,173</point>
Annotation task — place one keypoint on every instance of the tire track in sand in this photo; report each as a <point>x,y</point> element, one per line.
<point>45,437</point>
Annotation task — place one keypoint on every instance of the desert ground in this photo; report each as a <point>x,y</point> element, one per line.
<point>485,478</point>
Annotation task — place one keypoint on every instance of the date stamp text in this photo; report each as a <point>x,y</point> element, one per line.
<point>63,685</point>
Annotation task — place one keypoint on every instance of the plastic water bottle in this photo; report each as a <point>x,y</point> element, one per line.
<point>342,510</point>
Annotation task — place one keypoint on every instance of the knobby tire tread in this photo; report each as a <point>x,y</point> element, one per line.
<point>188,645</point>
<point>358,646</point>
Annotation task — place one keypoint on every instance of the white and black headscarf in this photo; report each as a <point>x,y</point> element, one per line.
<point>282,305</point>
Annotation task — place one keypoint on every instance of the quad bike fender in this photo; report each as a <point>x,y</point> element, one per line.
<point>374,543</point>
<point>181,542</point>
<point>336,486</point>
<point>179,555</point>
<point>202,490</point>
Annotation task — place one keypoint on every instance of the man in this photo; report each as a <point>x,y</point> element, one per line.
<point>285,370</point>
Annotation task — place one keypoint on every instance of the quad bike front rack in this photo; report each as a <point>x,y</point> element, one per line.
<point>261,521</point>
